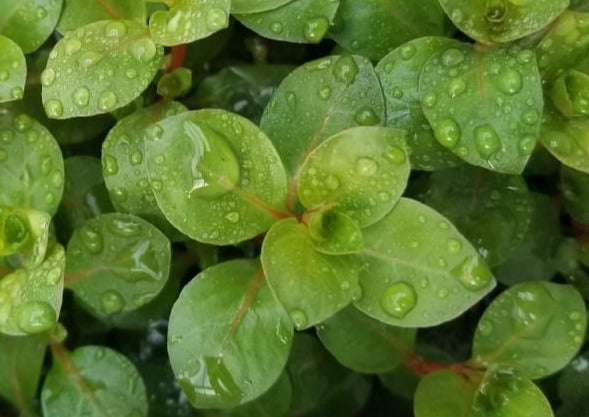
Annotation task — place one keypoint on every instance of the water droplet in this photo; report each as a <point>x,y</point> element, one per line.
<point>575,315</point>
<point>454,245</point>
<point>366,117</point>
<point>136,158</point>
<point>366,166</point>
<point>531,302</point>
<point>112,301</point>
<point>315,29</point>
<point>291,100</point>
<point>486,140</point>
<point>131,73</point>
<point>91,239</point>
<point>124,228</point>
<point>53,108</point>
<point>396,155</point>
<point>72,46</point>
<point>35,317</point>
<point>397,93</point>
<point>143,50</point>
<point>495,11</point>
<point>443,293</point>
<point>48,77</point>
<point>398,299</point>
<point>89,59</point>
<point>429,100</point>
<point>531,117</point>
<point>232,217</point>
<point>345,69</point>
<point>485,327</point>
<point>527,145</point>
<point>457,87</point>
<point>510,81</point>
<point>216,19</point>
<point>107,100</point>
<point>115,29</point>
<point>22,122</point>
<point>452,57</point>
<point>4,75</point>
<point>473,274</point>
<point>447,132</point>
<point>407,52</point>
<point>325,93</point>
<point>276,27</point>
<point>109,163</point>
<point>81,96</point>
<point>299,319</point>
<point>16,93</point>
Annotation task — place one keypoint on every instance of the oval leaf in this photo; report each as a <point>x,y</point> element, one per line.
<point>484,105</point>
<point>418,270</point>
<point>13,71</point>
<point>215,176</point>
<point>24,233</point>
<point>535,328</point>
<point>334,233</point>
<point>98,68</point>
<point>78,13</point>
<point>231,345</point>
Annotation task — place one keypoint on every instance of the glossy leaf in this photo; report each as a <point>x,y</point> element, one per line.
<point>31,165</point>
<point>418,270</point>
<point>29,22</point>
<point>230,346</point>
<point>374,28</point>
<point>215,176</point>
<point>484,105</point>
<point>21,358</point>
<point>573,383</point>
<point>363,344</point>
<point>334,233</point>
<point>255,6</point>
<point>125,165</point>
<point>361,172</point>
<point>301,21</point>
<point>117,262</point>
<point>535,328</point>
<point>489,21</point>
<point>30,299</point>
<point>77,13</point>
<point>575,190</point>
<point>319,99</point>
<point>399,73</point>
<point>310,285</point>
<point>13,71</point>
<point>80,79</point>
<point>492,211</point>
<point>570,94</point>
<point>24,233</point>
<point>189,20</point>
<point>93,380</point>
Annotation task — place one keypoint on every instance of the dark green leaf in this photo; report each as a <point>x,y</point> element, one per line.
<point>24,233</point>
<point>573,383</point>
<point>117,262</point>
<point>484,105</point>
<point>334,233</point>
<point>575,190</point>
<point>13,71</point>
<point>535,328</point>
<point>78,13</point>
<point>230,345</point>
<point>418,270</point>
<point>98,68</point>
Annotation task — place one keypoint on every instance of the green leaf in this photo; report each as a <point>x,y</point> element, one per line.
<point>30,299</point>
<point>402,382</point>
<point>31,165</point>
<point>498,394</point>
<point>399,75</point>
<point>29,23</point>
<point>311,286</point>
<point>215,176</point>
<point>379,172</point>
<point>537,253</point>
<point>24,233</point>
<point>117,262</point>
<point>573,383</point>
<point>375,28</point>
<point>189,20</point>
<point>98,68</point>
<point>230,346</point>
<point>492,211</point>
<point>126,168</point>
<point>21,359</point>
<point>334,233</point>
<point>484,105</point>
<point>319,99</point>
<point>570,94</point>
<point>363,344</point>
<point>418,270</point>
<point>489,21</point>
<point>575,190</point>
<point>301,21</point>
<point>13,71</point>
<point>78,13</point>
<point>535,328</point>
<point>255,6</point>
<point>95,380</point>
<point>175,84</point>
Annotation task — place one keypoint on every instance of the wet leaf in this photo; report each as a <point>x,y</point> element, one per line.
<point>255,6</point>
<point>215,176</point>
<point>13,71</point>
<point>117,262</point>
<point>535,328</point>
<point>231,345</point>
<point>334,233</point>
<point>24,234</point>
<point>484,105</point>
<point>78,13</point>
<point>95,379</point>
<point>311,286</point>
<point>399,75</point>
<point>80,79</point>
<point>361,172</point>
<point>418,270</point>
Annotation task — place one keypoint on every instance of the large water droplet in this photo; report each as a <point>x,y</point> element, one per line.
<point>407,52</point>
<point>486,141</point>
<point>35,317</point>
<point>396,155</point>
<point>299,318</point>
<point>531,302</point>
<point>81,96</point>
<point>315,29</point>
<point>72,46</point>
<point>366,166</point>
<point>276,27</point>
<point>232,217</point>
<point>447,132</point>
<point>366,117</point>
<point>454,245</point>
<point>107,100</point>
<point>473,274</point>
<point>48,77</point>
<point>53,276</point>
<point>345,69</point>
<point>216,19</point>
<point>92,239</point>
<point>112,301</point>
<point>527,145</point>
<point>143,50</point>
<point>510,81</point>
<point>115,29</point>
<point>452,57</point>
<point>398,299</point>
<point>53,108</point>
<point>88,59</point>
<point>457,87</point>
<point>110,165</point>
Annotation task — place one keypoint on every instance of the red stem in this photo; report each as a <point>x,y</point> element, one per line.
<point>177,58</point>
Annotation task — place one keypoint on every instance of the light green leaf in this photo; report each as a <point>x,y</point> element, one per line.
<point>215,176</point>
<point>30,299</point>
<point>318,100</point>
<point>363,344</point>
<point>78,13</point>
<point>570,94</point>
<point>98,68</point>
<point>301,21</point>
<point>189,20</point>
<point>31,165</point>
<point>490,21</point>
<point>24,233</point>
<point>310,285</point>
<point>399,75</point>
<point>126,168</point>
<point>484,105</point>
<point>13,71</point>
<point>575,190</point>
<point>29,22</point>
<point>361,172</point>
<point>117,262</point>
<point>93,380</point>
<point>418,270</point>
<point>333,233</point>
<point>255,6</point>
<point>228,338</point>
<point>535,328</point>
<point>492,211</point>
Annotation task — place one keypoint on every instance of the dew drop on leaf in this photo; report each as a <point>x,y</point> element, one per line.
<point>299,318</point>
<point>345,69</point>
<point>447,132</point>
<point>398,299</point>
<point>35,317</point>
<point>529,312</point>
<point>473,274</point>
<point>112,301</point>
